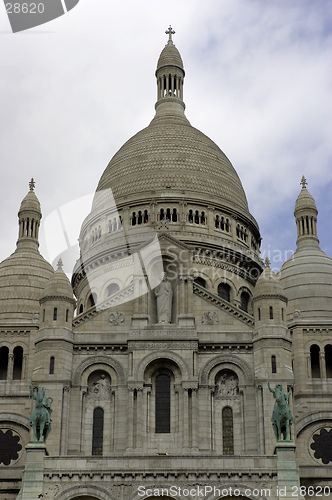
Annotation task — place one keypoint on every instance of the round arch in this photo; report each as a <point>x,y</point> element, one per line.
<point>15,418</point>
<point>99,360</point>
<point>224,359</point>
<point>84,492</point>
<point>313,418</point>
<point>162,355</point>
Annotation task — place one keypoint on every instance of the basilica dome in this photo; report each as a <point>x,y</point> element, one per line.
<point>170,156</point>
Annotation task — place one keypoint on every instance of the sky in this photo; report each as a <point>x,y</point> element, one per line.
<point>258,82</point>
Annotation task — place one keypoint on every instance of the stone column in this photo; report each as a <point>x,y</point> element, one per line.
<point>10,367</point>
<point>64,421</point>
<point>33,476</point>
<point>185,421</point>
<point>130,435</point>
<point>139,418</point>
<point>194,425</point>
<point>322,365</point>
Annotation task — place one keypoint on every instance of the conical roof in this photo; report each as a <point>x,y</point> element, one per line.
<point>268,283</point>
<point>170,56</point>
<point>58,285</point>
<point>304,200</point>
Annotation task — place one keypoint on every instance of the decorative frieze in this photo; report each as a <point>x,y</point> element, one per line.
<point>133,346</point>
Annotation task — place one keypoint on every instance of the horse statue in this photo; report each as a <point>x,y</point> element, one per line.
<point>282,415</point>
<point>40,419</point>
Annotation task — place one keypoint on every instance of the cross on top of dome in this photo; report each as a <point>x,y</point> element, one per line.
<point>303,182</point>
<point>170,32</point>
<point>32,184</point>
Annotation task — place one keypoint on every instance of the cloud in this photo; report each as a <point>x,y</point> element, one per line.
<point>258,82</point>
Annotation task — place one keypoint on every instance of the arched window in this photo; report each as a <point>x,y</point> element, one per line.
<point>80,309</point>
<point>216,223</point>
<point>52,360</point>
<point>146,217</point>
<point>112,288</point>
<point>55,314</point>
<point>133,219</point>
<point>67,313</point>
<point>115,224</point>
<point>273,364</point>
<point>190,217</point>
<point>244,301</point>
<point>224,291</point>
<point>174,215</point>
<point>162,214</point>
<point>110,226</point>
<point>97,431</point>
<point>328,360</point>
<point>203,219</point>
<point>222,224</point>
<point>18,363</point>
<point>92,300</point>
<point>227,431</point>
<point>196,217</point>
<point>168,215</point>
<point>259,314</point>
<point>271,312</point>
<point>140,218</point>
<point>163,404</point>
<point>4,351</point>
<point>200,281</point>
<point>227,226</point>
<point>314,360</point>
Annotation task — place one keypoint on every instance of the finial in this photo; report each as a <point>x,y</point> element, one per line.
<point>170,32</point>
<point>60,264</point>
<point>267,262</point>
<point>303,182</point>
<point>32,184</point>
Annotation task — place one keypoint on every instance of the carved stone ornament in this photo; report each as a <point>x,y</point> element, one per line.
<point>209,318</point>
<point>100,389</point>
<point>116,319</point>
<point>227,385</point>
<point>322,446</point>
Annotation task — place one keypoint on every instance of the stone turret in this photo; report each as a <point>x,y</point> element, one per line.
<point>24,274</point>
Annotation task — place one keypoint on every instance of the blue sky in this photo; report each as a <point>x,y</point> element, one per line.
<point>258,82</point>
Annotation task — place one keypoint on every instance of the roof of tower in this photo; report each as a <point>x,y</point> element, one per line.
<point>170,56</point>
<point>304,200</point>
<point>268,283</point>
<point>30,202</point>
<point>58,285</point>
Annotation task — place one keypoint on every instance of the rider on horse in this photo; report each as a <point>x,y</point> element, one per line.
<point>40,419</point>
<point>282,415</point>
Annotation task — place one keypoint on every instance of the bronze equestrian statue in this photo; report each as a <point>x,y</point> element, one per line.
<point>40,419</point>
<point>281,416</point>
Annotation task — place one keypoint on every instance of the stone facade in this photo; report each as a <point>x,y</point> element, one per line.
<point>172,394</point>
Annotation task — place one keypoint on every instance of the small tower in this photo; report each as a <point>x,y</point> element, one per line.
<point>306,217</point>
<point>272,348</point>
<point>170,75</point>
<point>29,217</point>
<point>54,351</point>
